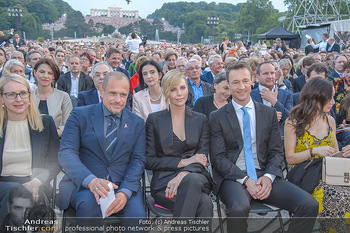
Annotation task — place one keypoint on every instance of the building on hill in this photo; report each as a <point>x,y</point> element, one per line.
<point>116,12</point>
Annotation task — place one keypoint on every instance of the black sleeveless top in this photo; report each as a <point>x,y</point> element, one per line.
<point>178,144</point>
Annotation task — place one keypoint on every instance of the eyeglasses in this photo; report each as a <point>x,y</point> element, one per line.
<point>193,68</point>
<point>13,95</point>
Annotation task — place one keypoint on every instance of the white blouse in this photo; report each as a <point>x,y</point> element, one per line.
<point>17,154</point>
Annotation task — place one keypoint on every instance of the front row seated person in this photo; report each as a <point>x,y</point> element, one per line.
<point>310,133</point>
<point>177,150</point>
<point>246,153</point>
<point>104,143</point>
<point>28,142</point>
<point>20,202</point>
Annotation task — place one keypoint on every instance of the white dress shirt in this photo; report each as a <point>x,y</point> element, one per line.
<point>265,102</point>
<point>322,45</point>
<point>74,85</point>
<point>240,163</point>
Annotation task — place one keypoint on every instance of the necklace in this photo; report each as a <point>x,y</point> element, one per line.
<point>346,81</point>
<point>155,99</point>
<point>216,104</point>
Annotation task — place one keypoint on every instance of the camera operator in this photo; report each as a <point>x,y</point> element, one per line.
<point>5,40</point>
<point>20,201</point>
<point>133,40</point>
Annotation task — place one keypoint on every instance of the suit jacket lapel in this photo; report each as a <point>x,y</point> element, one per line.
<point>69,82</point>
<point>148,105</point>
<point>166,132</point>
<point>191,130</point>
<point>190,90</point>
<point>2,141</point>
<point>259,115</point>
<point>256,95</point>
<point>94,97</point>
<point>233,121</point>
<point>35,140</point>
<point>81,82</point>
<point>97,120</point>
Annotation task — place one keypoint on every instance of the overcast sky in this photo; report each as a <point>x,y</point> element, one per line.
<point>145,7</point>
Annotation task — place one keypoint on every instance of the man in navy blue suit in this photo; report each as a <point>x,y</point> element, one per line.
<point>216,66</point>
<point>269,94</point>
<point>92,158</point>
<point>338,63</point>
<point>94,95</point>
<point>316,70</point>
<point>114,59</point>
<point>299,82</point>
<point>332,46</point>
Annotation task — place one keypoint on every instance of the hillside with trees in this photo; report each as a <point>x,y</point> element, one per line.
<point>257,16</point>
<point>35,13</point>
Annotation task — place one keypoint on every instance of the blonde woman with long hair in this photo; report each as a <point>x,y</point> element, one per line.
<point>176,150</point>
<point>28,142</point>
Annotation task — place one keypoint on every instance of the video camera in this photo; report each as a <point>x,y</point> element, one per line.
<point>144,40</point>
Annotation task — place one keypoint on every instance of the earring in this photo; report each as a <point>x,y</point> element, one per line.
<point>3,106</point>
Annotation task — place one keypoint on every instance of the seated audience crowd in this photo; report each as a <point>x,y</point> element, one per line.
<point>218,120</point>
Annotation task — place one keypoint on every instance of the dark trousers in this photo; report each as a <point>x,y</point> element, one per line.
<point>191,200</point>
<point>284,195</point>
<point>89,213</point>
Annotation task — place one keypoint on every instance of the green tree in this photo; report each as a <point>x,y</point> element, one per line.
<point>45,10</point>
<point>108,29</point>
<point>158,24</point>
<point>31,25</point>
<point>253,15</point>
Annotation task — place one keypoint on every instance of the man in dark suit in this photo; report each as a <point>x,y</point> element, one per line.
<point>5,40</point>
<point>19,55</point>
<point>104,143</point>
<point>18,42</point>
<point>299,82</point>
<point>268,94</point>
<point>94,95</point>
<point>216,66</point>
<point>247,154</point>
<point>74,81</point>
<point>338,67</point>
<point>114,59</point>
<point>196,87</point>
<point>332,46</point>
<point>316,70</point>
<point>32,58</point>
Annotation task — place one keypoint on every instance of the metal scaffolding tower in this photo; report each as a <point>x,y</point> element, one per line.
<point>303,13</point>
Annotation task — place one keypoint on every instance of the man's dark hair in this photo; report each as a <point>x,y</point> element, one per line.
<point>51,49</point>
<point>112,50</point>
<point>133,35</point>
<point>19,192</point>
<point>308,61</point>
<point>242,56</point>
<point>339,55</point>
<point>30,54</point>
<point>258,67</point>
<point>326,35</point>
<point>168,55</point>
<point>295,56</point>
<point>318,68</point>
<point>160,55</point>
<point>237,65</point>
